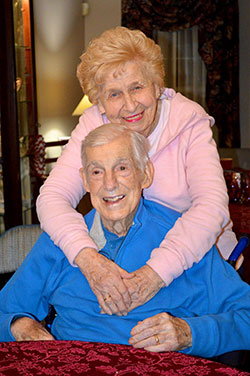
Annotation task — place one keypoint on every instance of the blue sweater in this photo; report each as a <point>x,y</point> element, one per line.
<point>210,296</point>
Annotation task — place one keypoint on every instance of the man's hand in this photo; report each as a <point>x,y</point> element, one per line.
<point>143,286</point>
<point>106,281</point>
<point>27,329</point>
<point>161,332</point>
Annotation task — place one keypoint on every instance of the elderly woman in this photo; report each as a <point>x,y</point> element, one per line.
<point>122,73</point>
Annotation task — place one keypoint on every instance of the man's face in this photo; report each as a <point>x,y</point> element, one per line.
<point>113,180</point>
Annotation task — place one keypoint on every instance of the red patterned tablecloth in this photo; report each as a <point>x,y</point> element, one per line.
<point>66,358</point>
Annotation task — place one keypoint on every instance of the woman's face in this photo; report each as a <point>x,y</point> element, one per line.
<point>130,98</point>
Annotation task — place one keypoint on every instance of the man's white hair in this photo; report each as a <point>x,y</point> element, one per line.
<point>107,133</point>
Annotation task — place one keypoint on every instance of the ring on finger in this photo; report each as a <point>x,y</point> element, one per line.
<point>157,339</point>
<point>107,297</point>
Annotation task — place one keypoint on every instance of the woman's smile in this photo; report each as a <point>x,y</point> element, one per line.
<point>134,118</point>
<point>130,98</point>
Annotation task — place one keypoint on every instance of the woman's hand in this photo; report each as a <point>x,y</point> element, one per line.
<point>143,285</point>
<point>27,329</point>
<point>106,281</point>
<point>161,332</point>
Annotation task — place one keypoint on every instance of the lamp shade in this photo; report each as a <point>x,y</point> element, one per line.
<point>82,105</point>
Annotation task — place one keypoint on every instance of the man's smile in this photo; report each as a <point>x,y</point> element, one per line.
<point>113,199</point>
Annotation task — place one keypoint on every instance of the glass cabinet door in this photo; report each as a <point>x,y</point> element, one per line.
<point>18,187</point>
<point>23,61</point>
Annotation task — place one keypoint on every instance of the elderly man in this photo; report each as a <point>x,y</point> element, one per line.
<point>205,311</point>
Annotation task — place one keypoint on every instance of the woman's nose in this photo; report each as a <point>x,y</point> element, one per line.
<point>129,103</point>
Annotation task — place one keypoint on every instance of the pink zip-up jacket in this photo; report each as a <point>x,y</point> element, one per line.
<point>188,178</point>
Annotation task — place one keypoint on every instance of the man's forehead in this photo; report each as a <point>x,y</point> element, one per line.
<point>114,161</point>
<point>119,146</point>
<point>115,152</point>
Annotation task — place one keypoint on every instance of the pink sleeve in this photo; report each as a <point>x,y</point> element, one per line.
<point>63,190</point>
<point>198,228</point>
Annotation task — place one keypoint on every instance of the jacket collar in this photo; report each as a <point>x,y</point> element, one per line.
<point>96,231</point>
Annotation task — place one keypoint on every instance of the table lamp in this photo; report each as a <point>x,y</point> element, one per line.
<point>82,106</point>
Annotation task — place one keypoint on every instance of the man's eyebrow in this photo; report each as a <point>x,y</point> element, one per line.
<point>123,160</point>
<point>93,164</point>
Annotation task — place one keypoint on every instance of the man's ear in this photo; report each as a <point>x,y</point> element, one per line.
<point>148,175</point>
<point>84,179</point>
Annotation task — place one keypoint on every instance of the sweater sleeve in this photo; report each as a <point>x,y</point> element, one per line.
<point>224,324</point>
<point>17,299</point>
<point>63,190</point>
<point>207,217</point>
<point>218,334</point>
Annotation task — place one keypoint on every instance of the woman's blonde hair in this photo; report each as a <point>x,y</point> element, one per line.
<point>109,52</point>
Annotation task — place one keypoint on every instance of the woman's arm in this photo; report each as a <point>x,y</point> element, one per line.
<point>56,204</point>
<point>61,193</point>
<point>200,225</point>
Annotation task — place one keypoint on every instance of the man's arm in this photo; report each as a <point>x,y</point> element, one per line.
<point>27,329</point>
<point>220,322</point>
<point>26,292</point>
<point>218,334</point>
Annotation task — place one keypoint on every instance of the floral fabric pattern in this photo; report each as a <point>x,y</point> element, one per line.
<point>84,358</point>
<point>218,23</point>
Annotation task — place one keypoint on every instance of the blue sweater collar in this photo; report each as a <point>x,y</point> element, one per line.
<point>96,231</point>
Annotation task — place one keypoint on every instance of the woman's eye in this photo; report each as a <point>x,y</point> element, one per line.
<point>114,95</point>
<point>122,168</point>
<point>136,88</point>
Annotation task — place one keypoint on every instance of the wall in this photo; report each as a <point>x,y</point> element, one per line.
<point>58,44</point>
<point>62,33</point>
<point>103,15</point>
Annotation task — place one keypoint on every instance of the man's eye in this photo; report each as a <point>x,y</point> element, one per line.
<point>123,169</point>
<point>96,172</point>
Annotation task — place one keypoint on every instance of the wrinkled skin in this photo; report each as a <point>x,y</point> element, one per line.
<point>174,334</point>
<point>117,291</point>
<point>27,329</point>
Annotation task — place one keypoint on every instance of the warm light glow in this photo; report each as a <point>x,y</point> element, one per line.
<point>55,21</point>
<point>82,106</point>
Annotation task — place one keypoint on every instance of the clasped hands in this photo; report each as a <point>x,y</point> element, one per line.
<point>119,292</point>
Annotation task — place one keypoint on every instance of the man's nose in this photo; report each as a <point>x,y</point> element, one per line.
<point>129,103</point>
<point>110,181</point>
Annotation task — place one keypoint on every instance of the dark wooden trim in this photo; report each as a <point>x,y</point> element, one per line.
<point>32,32</point>
<point>51,160</point>
<point>9,123</point>
<point>55,143</point>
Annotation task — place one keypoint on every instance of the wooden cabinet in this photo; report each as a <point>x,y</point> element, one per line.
<point>19,188</point>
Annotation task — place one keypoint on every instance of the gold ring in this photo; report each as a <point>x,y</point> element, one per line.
<point>107,297</point>
<point>156,339</point>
